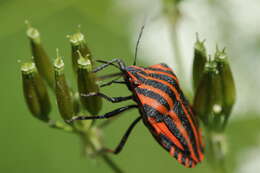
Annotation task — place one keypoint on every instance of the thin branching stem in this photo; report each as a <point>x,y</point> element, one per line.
<point>111,164</point>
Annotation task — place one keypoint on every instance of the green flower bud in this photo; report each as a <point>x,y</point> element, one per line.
<point>227,82</point>
<point>199,61</point>
<point>40,57</point>
<point>63,93</point>
<point>35,92</point>
<point>87,84</point>
<point>78,43</point>
<point>208,97</point>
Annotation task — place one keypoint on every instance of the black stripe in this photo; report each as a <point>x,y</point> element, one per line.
<point>172,127</point>
<point>166,141</point>
<point>157,85</point>
<point>177,105</point>
<point>169,123</point>
<point>168,144</point>
<point>179,111</point>
<point>133,69</point>
<point>160,70</point>
<point>165,78</point>
<point>142,69</point>
<point>173,82</point>
<point>151,112</point>
<point>164,65</point>
<point>153,95</point>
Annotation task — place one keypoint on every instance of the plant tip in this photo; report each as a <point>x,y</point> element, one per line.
<point>28,67</point>
<point>58,63</point>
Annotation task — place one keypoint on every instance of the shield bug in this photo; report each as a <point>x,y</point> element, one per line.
<point>163,108</point>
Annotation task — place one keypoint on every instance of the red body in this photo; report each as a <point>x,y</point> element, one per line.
<point>166,112</point>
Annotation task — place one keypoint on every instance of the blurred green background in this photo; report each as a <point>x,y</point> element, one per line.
<point>28,145</point>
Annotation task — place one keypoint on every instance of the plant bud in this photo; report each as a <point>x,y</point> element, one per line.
<point>199,61</point>
<point>208,97</point>
<point>40,57</point>
<point>78,43</point>
<point>63,93</point>
<point>227,82</point>
<point>87,84</point>
<point>35,92</point>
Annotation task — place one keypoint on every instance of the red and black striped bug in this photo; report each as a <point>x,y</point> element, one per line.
<point>162,106</point>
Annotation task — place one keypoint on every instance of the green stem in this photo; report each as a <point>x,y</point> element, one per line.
<point>92,146</point>
<point>111,164</point>
<point>61,126</point>
<point>216,151</point>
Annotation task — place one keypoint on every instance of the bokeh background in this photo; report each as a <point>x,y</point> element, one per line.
<point>111,28</point>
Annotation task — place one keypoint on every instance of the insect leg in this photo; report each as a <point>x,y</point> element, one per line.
<point>106,115</point>
<point>109,76</point>
<point>123,140</point>
<point>112,82</point>
<point>111,99</point>
<point>108,63</point>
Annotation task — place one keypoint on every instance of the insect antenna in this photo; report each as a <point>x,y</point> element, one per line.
<point>137,43</point>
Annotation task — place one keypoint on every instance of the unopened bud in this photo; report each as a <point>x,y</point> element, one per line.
<point>199,61</point>
<point>208,97</point>
<point>87,84</point>
<point>78,43</point>
<point>35,92</point>
<point>227,82</point>
<point>63,93</point>
<point>40,57</point>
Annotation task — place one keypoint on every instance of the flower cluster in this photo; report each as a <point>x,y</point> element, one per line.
<point>215,95</point>
<point>214,87</point>
<point>41,75</point>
